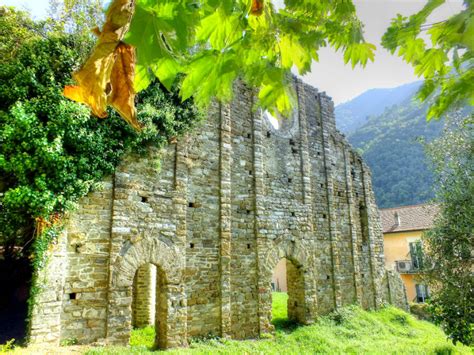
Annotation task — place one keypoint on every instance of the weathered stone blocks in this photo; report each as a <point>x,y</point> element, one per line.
<point>231,199</point>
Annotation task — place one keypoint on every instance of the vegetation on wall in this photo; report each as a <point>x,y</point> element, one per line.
<point>52,152</point>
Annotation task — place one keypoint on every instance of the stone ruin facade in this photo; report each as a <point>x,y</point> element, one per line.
<point>191,246</point>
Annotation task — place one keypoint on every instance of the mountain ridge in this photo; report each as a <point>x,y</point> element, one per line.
<point>354,113</point>
<point>391,143</point>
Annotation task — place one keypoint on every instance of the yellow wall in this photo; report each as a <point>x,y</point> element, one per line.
<point>279,276</point>
<point>396,247</point>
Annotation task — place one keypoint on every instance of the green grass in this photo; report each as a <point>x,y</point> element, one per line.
<point>351,330</point>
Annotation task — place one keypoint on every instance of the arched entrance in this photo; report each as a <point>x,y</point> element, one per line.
<point>133,272</point>
<point>150,301</point>
<point>288,285</point>
<point>300,283</point>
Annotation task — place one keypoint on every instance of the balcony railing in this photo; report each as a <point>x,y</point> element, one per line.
<point>407,267</point>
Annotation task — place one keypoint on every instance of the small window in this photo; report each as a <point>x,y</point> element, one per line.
<point>292,142</point>
<point>249,135</point>
<point>290,180</point>
<point>191,245</point>
<point>416,254</point>
<point>73,296</point>
<point>191,204</point>
<point>144,199</point>
<point>269,134</point>
<point>422,293</point>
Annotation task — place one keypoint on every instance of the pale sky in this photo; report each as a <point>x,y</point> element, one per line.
<point>330,74</point>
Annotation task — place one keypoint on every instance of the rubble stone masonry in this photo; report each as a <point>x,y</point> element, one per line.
<point>190,245</point>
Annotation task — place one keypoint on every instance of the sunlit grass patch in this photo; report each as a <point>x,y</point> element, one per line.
<point>349,330</point>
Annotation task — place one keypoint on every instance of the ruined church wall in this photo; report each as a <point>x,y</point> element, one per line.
<point>227,203</point>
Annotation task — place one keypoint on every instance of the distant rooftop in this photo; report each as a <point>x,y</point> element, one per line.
<point>408,218</point>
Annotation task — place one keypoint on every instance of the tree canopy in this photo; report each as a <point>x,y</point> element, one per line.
<point>446,60</point>
<point>213,43</point>
<point>449,244</point>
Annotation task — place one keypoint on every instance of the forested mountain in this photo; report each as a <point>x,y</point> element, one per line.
<point>354,114</point>
<point>390,144</point>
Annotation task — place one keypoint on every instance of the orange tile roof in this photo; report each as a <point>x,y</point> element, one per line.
<point>408,218</point>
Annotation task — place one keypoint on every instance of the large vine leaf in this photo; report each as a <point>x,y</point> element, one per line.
<point>109,58</point>
<point>441,53</point>
<point>212,43</point>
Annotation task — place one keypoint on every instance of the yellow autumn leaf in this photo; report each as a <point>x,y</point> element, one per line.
<point>122,95</point>
<point>97,81</point>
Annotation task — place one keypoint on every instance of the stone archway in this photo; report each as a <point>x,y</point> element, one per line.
<point>172,330</point>
<point>301,287</point>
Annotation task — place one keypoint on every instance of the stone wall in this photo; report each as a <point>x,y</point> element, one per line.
<point>230,200</point>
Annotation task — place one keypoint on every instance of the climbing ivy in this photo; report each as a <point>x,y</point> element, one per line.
<point>52,152</point>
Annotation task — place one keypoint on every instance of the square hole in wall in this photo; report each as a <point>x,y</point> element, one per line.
<point>144,199</point>
<point>293,214</point>
<point>73,296</point>
<point>294,151</point>
<point>328,277</point>
<point>249,135</point>
<point>248,211</point>
<point>292,142</point>
<point>269,134</point>
<point>250,172</point>
<point>324,216</point>
<point>191,204</point>
<point>191,245</point>
<point>290,180</point>
<point>248,246</point>
<point>321,185</point>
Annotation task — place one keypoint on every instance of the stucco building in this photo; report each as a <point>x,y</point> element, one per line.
<point>191,246</point>
<point>402,231</point>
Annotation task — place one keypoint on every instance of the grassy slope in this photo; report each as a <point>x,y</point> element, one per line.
<point>352,330</point>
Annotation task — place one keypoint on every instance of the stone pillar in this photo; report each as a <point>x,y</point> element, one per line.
<point>296,293</point>
<point>225,209</point>
<point>45,321</point>
<point>325,117</point>
<point>310,282</point>
<point>264,291</point>
<point>144,292</point>
<point>352,218</point>
<point>371,239</point>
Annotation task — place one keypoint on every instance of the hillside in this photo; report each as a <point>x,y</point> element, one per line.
<point>353,114</point>
<point>390,144</point>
